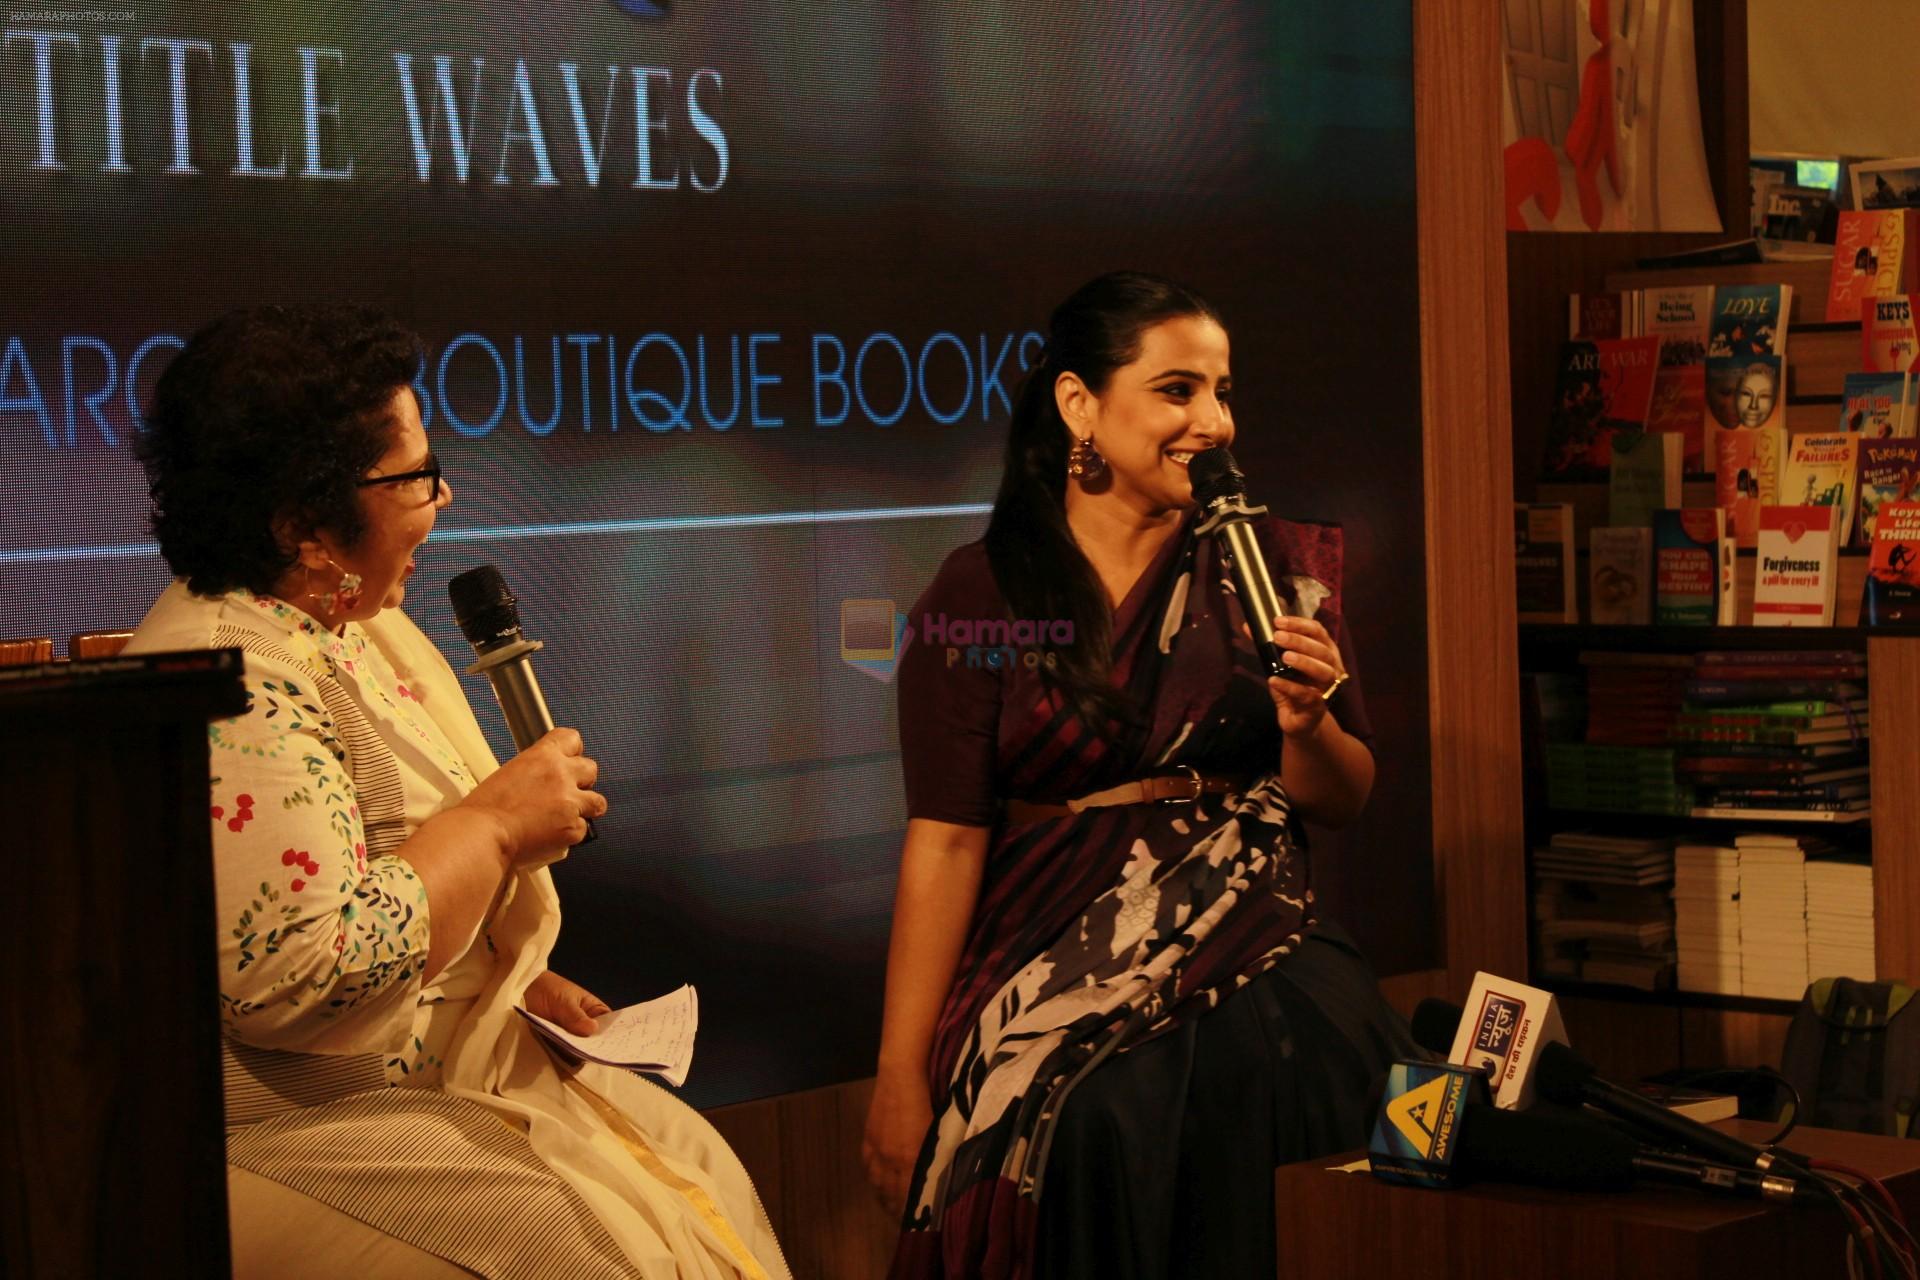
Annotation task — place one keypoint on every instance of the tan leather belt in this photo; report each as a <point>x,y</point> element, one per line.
<point>1183,787</point>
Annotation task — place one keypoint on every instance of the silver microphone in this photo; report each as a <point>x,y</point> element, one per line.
<point>489,617</point>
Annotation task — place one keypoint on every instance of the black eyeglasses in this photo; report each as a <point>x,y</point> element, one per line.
<point>431,470</point>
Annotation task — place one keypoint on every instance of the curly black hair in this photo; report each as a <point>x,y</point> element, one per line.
<point>269,414</point>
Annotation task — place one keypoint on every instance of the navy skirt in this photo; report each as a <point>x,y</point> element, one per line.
<point>1162,1163</point>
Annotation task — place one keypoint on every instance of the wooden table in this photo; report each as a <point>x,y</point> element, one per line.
<point>1332,1225</point>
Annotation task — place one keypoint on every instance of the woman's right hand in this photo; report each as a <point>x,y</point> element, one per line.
<point>542,798</point>
<point>897,1122</point>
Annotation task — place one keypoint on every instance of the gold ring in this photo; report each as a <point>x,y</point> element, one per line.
<point>1326,694</point>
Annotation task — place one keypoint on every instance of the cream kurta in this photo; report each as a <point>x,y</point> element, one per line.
<point>494,1158</point>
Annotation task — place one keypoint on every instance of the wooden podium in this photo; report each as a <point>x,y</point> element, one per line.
<point>1337,1225</point>
<point>114,1158</point>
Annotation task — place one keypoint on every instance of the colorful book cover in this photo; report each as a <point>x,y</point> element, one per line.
<point>1749,320</point>
<point>1872,257</point>
<point>1893,574</point>
<point>1797,566</point>
<point>1747,468</point>
<point>1887,339</point>
<point>1620,575</point>
<point>1889,472</point>
<point>1874,405</point>
<point>1689,546</point>
<point>1680,406</point>
<point>1820,472</point>
<point>1604,387</point>
<point>1681,316</point>
<point>1746,391</point>
<point>1643,477</point>
<point>1593,316</point>
<point>1543,562</point>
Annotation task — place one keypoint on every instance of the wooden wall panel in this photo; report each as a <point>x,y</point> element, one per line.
<point>1713,1038</point>
<point>1472,646</point>
<point>1893,693</point>
<point>1623,1041</point>
<point>803,1150</point>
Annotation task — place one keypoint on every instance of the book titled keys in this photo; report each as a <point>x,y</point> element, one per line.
<point>654,1036</point>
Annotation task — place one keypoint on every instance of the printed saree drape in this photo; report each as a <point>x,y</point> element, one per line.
<point>1096,932</point>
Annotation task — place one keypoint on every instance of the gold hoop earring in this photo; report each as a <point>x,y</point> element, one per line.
<point>1084,460</point>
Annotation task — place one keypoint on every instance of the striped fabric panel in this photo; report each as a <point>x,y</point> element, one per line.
<point>442,1174</point>
<point>376,775</point>
<point>263,1083</point>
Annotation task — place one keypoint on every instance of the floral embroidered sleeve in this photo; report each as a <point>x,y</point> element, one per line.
<point>322,948</point>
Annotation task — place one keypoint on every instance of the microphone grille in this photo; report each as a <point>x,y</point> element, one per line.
<point>1560,1074</point>
<point>1215,475</point>
<point>482,604</point>
<point>1435,1022</point>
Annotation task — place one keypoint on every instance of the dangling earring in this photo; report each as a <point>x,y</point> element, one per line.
<point>1084,460</point>
<point>344,597</point>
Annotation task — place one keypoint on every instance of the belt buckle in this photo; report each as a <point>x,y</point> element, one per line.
<point>1199,787</point>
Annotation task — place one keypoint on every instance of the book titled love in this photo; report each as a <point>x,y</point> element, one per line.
<point>1795,571</point>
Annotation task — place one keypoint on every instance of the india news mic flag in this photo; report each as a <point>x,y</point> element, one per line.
<point>1501,1033</point>
<point>1416,1135</point>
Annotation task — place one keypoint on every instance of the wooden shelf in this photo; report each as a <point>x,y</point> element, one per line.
<point>1670,999</point>
<point>1847,592</point>
<point>1547,637</point>
<point>1580,815</point>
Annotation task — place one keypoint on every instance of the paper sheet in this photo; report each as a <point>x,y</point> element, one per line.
<point>655,1036</point>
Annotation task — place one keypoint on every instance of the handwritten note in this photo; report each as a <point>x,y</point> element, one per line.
<point>655,1036</point>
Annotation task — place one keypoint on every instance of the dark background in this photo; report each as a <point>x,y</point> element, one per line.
<point>903,169</point>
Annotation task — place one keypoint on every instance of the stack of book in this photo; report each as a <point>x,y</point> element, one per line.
<point>1776,736</point>
<point>1773,916</point>
<point>1633,698</point>
<point>1602,911</point>
<point>1706,918</point>
<point>1840,919</point>
<point>1615,780</point>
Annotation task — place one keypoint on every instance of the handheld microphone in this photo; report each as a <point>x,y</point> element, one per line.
<point>1220,488</point>
<point>1565,1077</point>
<point>489,617</point>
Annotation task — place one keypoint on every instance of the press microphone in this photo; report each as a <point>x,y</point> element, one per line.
<point>1434,1130</point>
<point>1220,487</point>
<point>489,617</point>
<point>1509,1025</point>
<point>1578,1155</point>
<point>1563,1076</point>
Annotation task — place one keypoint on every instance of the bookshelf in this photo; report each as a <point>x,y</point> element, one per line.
<point>1696,1028</point>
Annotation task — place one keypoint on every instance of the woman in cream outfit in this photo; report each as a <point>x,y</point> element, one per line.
<point>382,891</point>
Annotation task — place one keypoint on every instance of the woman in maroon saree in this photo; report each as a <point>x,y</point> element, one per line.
<point>1111,1007</point>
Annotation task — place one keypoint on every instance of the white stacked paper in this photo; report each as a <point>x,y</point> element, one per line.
<point>1773,917</point>
<point>1840,919</point>
<point>1706,918</point>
